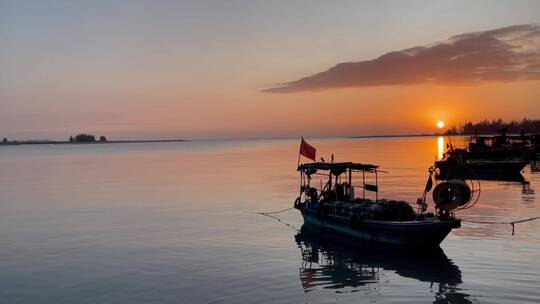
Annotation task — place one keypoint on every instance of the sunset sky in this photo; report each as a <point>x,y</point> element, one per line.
<point>247,69</point>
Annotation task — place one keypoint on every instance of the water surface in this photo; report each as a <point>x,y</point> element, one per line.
<point>177,223</point>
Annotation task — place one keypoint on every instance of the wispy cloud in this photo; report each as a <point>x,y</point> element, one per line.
<point>504,54</point>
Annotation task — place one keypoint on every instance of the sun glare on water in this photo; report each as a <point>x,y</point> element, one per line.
<point>440,124</point>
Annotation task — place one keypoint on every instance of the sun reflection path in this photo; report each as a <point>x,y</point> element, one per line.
<point>440,147</point>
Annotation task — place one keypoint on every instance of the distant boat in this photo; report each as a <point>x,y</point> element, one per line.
<point>334,207</point>
<point>497,148</point>
<point>500,147</point>
<point>487,157</point>
<point>456,166</point>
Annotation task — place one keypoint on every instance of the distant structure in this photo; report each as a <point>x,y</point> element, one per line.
<point>83,138</point>
<point>102,138</point>
<point>4,141</point>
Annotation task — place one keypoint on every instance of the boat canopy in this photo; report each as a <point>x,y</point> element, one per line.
<point>334,189</point>
<point>337,167</point>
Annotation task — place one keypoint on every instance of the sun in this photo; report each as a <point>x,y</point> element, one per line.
<point>440,124</point>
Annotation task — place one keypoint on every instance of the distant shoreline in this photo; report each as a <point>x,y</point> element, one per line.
<point>404,135</point>
<point>66,142</point>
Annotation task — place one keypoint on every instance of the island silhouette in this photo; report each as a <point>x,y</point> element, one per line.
<point>84,138</point>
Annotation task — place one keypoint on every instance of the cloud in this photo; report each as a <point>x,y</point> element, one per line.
<point>505,54</point>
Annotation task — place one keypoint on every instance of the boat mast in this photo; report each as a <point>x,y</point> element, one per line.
<point>363,184</point>
<point>377,185</point>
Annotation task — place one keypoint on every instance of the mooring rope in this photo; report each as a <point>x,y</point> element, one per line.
<point>275,212</point>
<point>278,219</point>
<point>512,223</point>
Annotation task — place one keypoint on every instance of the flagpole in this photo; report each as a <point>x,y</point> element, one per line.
<point>299,149</point>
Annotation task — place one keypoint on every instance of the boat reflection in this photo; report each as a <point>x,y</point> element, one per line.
<point>527,193</point>
<point>333,262</point>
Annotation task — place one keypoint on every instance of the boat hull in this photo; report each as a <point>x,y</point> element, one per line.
<point>480,169</point>
<point>524,153</point>
<point>410,234</point>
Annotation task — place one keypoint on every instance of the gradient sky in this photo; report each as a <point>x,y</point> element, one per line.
<point>197,69</point>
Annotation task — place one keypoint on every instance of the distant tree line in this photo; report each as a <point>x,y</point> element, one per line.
<point>491,127</point>
<point>85,138</point>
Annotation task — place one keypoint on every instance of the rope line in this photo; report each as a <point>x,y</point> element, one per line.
<point>278,219</point>
<point>275,212</point>
<point>513,223</point>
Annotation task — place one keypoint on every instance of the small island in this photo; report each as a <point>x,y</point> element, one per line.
<point>83,138</point>
<point>86,138</point>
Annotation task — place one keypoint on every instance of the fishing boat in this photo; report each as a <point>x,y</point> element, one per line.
<point>487,157</point>
<point>458,165</point>
<point>498,147</point>
<point>342,206</point>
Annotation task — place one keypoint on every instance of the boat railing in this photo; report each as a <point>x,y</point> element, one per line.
<point>334,179</point>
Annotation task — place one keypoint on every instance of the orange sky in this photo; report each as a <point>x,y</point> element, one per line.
<point>356,111</point>
<point>197,69</point>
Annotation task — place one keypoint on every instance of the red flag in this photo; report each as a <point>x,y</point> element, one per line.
<point>307,150</point>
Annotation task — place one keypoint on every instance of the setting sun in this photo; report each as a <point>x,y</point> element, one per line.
<point>440,124</point>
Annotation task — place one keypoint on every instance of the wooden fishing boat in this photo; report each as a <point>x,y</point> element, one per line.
<point>453,165</point>
<point>497,148</point>
<point>335,207</point>
<point>487,157</point>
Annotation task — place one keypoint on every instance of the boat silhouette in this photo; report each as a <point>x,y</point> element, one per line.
<point>338,207</point>
<point>330,261</point>
<point>488,157</point>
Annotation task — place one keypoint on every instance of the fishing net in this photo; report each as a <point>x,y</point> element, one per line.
<point>384,210</point>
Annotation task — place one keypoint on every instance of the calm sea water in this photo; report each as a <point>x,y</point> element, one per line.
<point>177,223</point>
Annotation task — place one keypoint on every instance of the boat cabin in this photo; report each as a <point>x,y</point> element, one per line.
<point>336,181</point>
